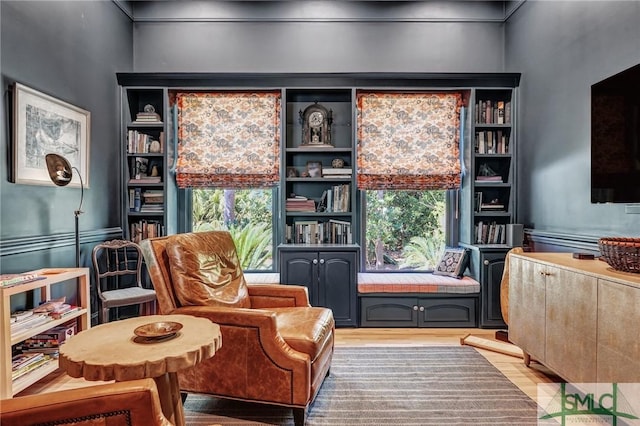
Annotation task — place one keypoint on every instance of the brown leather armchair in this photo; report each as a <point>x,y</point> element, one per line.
<point>276,348</point>
<point>132,403</point>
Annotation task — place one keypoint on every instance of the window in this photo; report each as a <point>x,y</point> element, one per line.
<point>404,230</point>
<point>246,213</point>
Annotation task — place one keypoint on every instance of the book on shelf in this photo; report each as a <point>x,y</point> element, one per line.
<point>20,360</point>
<point>493,111</point>
<point>9,280</point>
<point>500,112</point>
<point>152,208</point>
<point>491,142</point>
<point>145,180</point>
<point>63,310</point>
<point>300,203</point>
<point>491,207</point>
<point>142,143</point>
<point>21,315</point>
<point>333,171</point>
<point>30,366</point>
<point>29,322</point>
<point>489,179</point>
<point>144,229</point>
<point>135,199</point>
<point>490,233</point>
<point>148,117</point>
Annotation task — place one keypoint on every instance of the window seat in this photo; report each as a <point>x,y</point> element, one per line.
<point>415,283</point>
<point>417,300</point>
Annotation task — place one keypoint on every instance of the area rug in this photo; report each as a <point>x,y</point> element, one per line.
<point>436,385</point>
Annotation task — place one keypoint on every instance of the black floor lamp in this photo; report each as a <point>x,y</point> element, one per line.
<point>61,173</point>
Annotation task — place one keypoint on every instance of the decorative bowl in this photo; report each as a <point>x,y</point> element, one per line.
<point>158,330</point>
<point>622,254</point>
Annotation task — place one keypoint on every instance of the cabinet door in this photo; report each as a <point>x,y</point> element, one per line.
<point>571,312</point>
<point>301,268</point>
<point>492,266</point>
<point>618,333</point>
<point>527,306</point>
<point>337,285</point>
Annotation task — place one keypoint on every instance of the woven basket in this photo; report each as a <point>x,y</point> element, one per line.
<point>622,254</point>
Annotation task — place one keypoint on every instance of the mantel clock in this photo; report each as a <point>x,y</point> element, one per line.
<point>316,126</point>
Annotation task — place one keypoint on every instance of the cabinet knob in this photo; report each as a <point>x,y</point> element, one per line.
<point>415,307</point>
<point>315,261</point>
<point>486,263</point>
<point>421,308</point>
<point>322,261</point>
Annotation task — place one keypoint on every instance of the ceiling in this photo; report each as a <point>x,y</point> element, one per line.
<point>318,11</point>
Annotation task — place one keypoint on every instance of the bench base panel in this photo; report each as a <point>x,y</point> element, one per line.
<point>419,310</point>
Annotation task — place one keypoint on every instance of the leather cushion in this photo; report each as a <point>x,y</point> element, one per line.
<point>305,329</point>
<point>205,270</point>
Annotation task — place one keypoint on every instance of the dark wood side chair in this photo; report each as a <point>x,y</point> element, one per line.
<point>118,274</point>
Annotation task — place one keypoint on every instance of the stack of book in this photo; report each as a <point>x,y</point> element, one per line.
<point>490,233</point>
<point>152,201</point>
<point>299,203</point>
<point>144,229</point>
<point>49,341</point>
<point>9,280</point>
<point>23,363</point>
<point>63,310</point>
<point>148,118</point>
<point>24,320</point>
<point>489,179</point>
<point>332,172</point>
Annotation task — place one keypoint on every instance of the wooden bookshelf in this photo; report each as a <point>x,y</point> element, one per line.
<point>43,288</point>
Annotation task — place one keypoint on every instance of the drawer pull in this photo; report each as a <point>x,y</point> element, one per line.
<point>415,307</point>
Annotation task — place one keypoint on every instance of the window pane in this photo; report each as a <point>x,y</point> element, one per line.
<point>405,230</point>
<point>246,213</point>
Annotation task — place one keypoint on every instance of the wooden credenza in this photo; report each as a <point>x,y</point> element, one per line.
<point>580,318</point>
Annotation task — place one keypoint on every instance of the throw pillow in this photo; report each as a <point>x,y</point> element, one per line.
<point>205,271</point>
<point>453,263</point>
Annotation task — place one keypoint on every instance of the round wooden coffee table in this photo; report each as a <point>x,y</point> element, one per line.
<point>113,352</point>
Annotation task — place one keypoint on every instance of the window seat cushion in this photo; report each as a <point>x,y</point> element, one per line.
<point>415,283</point>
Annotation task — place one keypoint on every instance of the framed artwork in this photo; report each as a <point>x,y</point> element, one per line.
<point>314,168</point>
<point>42,125</point>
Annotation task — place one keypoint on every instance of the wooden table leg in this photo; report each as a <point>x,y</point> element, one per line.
<point>170,398</point>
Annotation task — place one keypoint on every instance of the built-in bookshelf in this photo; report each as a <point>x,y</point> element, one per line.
<point>490,187</point>
<point>319,186</point>
<point>146,183</point>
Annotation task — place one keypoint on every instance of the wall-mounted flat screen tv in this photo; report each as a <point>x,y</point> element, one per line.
<point>615,138</point>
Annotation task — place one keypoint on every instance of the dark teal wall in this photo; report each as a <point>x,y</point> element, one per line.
<point>331,37</point>
<point>70,50</point>
<point>562,48</point>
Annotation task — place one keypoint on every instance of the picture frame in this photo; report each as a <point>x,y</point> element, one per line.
<point>314,169</point>
<point>42,125</point>
<point>292,172</point>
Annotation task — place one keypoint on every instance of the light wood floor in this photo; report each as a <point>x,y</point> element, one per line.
<point>526,378</point>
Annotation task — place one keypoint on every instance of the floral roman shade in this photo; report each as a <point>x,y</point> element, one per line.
<point>228,139</point>
<point>408,140</point>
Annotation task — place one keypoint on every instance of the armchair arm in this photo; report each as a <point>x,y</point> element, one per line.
<point>277,295</point>
<point>137,399</point>
<point>262,320</point>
